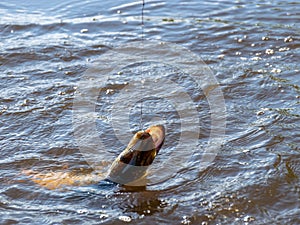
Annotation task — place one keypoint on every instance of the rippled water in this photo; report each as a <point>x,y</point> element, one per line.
<point>252,48</point>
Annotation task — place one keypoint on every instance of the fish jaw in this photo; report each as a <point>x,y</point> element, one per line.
<point>132,164</point>
<point>157,133</point>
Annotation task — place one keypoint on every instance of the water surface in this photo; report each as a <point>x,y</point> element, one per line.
<point>252,48</point>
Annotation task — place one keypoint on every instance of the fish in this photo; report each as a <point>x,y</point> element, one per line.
<point>129,168</point>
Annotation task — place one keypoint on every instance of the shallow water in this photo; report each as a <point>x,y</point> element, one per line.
<point>251,47</point>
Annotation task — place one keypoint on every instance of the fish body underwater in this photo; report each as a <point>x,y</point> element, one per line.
<point>129,168</point>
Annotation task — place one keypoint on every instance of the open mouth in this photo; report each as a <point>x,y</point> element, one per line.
<point>134,161</point>
<point>157,133</point>
<point>144,146</point>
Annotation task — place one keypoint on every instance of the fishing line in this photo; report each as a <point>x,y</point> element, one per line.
<point>142,25</point>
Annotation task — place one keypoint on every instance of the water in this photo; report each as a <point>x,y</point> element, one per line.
<point>251,47</point>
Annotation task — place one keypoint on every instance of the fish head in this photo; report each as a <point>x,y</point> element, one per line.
<point>144,146</point>
<point>132,164</point>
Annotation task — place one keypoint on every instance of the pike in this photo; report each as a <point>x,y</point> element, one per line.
<point>129,168</point>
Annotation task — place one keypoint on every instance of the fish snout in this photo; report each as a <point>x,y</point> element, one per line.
<point>157,132</point>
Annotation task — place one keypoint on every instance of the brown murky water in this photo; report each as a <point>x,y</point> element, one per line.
<point>253,50</point>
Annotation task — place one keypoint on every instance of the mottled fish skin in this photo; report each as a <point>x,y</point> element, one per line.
<point>56,180</point>
<point>130,166</point>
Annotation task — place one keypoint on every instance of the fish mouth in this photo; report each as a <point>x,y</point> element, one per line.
<point>157,133</point>
<point>133,162</point>
<point>144,146</point>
